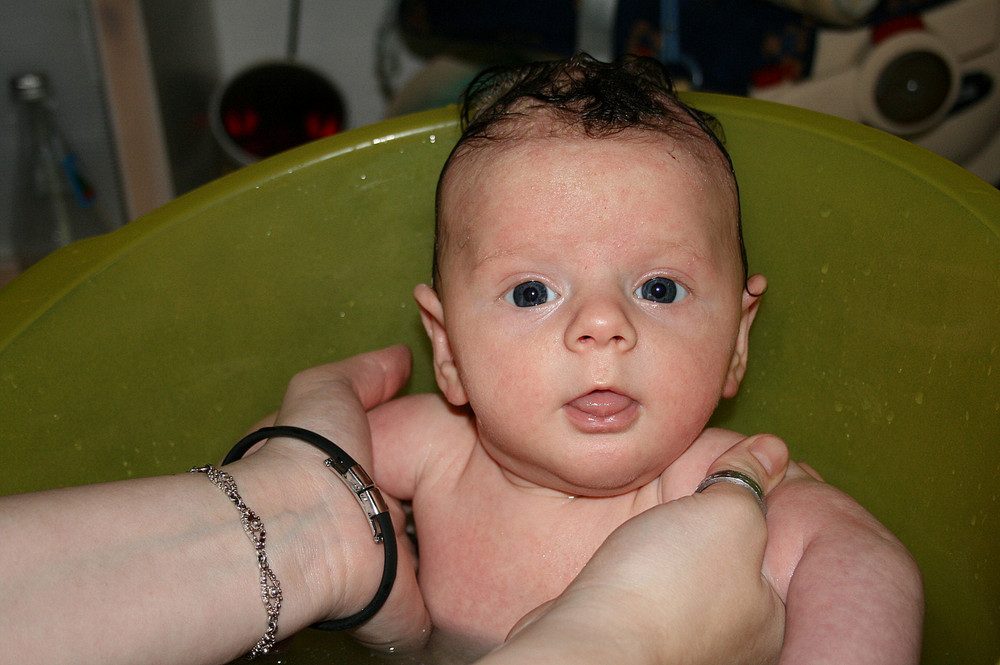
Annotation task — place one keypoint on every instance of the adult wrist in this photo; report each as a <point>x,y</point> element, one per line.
<point>318,532</point>
<point>296,519</point>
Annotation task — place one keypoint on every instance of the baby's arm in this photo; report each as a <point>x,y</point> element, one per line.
<point>410,437</point>
<point>853,593</point>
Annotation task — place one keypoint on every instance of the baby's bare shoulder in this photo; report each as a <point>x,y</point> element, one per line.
<point>411,433</point>
<point>416,416</point>
<point>404,412</point>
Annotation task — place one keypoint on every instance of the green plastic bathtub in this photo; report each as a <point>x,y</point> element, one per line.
<point>876,354</point>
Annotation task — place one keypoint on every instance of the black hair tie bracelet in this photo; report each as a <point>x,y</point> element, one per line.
<point>368,496</point>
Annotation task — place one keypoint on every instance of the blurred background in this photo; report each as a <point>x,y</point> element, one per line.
<point>148,99</point>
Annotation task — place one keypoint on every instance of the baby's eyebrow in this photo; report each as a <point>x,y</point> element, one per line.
<point>671,254</point>
<point>690,253</point>
<point>495,255</point>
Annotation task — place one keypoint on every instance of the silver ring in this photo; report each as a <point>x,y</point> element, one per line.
<point>736,478</point>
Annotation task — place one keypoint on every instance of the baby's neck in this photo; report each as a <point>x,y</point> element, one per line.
<point>534,489</point>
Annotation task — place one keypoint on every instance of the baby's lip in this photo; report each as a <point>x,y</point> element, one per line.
<point>602,411</point>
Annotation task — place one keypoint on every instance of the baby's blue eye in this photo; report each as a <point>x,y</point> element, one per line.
<point>530,294</point>
<point>661,290</point>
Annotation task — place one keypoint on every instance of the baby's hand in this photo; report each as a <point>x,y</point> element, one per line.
<point>681,578</point>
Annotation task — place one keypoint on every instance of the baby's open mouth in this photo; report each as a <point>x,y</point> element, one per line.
<point>602,411</point>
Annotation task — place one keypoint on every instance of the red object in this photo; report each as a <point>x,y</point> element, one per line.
<point>241,122</point>
<point>883,31</point>
<point>320,125</point>
<point>766,77</point>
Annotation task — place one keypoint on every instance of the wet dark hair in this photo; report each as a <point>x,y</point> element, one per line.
<point>599,99</point>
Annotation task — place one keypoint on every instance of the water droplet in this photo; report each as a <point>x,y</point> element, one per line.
<point>432,138</point>
<point>838,407</point>
<point>825,212</point>
<point>364,176</point>
<point>919,397</point>
<point>825,269</point>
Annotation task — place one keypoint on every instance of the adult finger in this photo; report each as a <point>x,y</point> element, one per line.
<point>761,459</point>
<point>378,375</point>
<point>332,399</point>
<point>372,377</point>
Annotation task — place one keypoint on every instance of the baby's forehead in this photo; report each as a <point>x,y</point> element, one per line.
<point>482,166</point>
<point>491,182</point>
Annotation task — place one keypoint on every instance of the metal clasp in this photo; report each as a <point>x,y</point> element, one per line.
<point>364,490</point>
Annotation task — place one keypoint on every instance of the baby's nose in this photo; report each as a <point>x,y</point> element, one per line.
<point>601,322</point>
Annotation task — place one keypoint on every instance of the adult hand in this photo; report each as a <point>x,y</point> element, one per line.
<point>159,569</point>
<point>332,400</point>
<point>703,552</point>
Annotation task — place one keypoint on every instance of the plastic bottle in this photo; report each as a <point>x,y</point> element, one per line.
<point>54,204</point>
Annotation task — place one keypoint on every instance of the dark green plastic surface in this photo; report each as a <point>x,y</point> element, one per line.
<point>875,354</point>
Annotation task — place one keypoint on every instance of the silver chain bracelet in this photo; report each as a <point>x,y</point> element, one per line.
<point>270,589</point>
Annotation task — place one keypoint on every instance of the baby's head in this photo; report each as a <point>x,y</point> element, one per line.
<point>631,97</point>
<point>591,301</point>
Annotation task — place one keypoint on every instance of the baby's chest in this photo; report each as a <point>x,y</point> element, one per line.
<point>482,569</point>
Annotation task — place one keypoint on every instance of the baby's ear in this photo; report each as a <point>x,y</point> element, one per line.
<point>445,372</point>
<point>754,289</point>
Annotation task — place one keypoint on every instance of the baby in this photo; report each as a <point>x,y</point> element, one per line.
<point>590,307</point>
